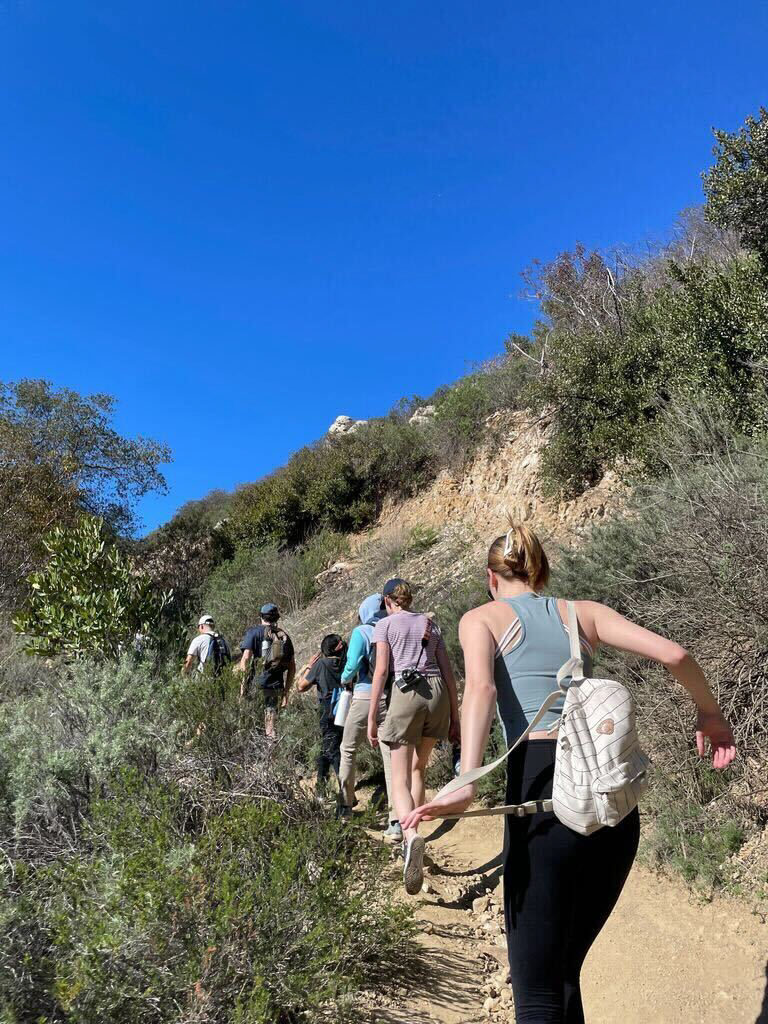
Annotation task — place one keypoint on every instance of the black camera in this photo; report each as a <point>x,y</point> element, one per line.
<point>410,679</point>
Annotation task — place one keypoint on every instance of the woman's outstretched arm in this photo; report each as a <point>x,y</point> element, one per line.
<point>476,715</point>
<point>613,629</point>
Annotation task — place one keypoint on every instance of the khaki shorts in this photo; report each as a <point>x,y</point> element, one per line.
<point>417,713</point>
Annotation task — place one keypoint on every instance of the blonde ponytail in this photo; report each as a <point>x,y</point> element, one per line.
<point>518,555</point>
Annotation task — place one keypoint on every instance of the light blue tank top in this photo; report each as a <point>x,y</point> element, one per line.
<point>528,672</point>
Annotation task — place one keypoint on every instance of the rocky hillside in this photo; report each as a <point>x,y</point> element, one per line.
<point>437,538</point>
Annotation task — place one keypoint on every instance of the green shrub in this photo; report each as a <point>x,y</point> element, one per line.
<point>160,855</point>
<point>63,738</point>
<point>737,184</point>
<point>689,559</point>
<point>238,588</point>
<point>61,458</point>
<point>685,838</point>
<point>257,914</point>
<point>499,384</point>
<point>89,600</point>
<point>339,484</point>
<point>419,540</point>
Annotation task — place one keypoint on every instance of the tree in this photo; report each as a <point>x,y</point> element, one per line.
<point>59,457</point>
<point>737,185</point>
<point>89,600</point>
<point>703,333</point>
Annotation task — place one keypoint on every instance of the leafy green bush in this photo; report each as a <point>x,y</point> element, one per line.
<point>339,483</point>
<point>237,589</point>
<point>163,862</point>
<point>419,540</point>
<point>63,738</point>
<point>737,184</point>
<point>688,559</point>
<point>89,600</point>
<point>462,409</point>
<point>685,838</point>
<point>60,458</point>
<point>256,914</point>
<point>704,333</point>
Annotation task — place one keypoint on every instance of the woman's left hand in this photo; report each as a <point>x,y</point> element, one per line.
<point>712,726</point>
<point>454,803</point>
<point>373,733</point>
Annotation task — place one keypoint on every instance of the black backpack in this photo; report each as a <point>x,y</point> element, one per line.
<point>218,653</point>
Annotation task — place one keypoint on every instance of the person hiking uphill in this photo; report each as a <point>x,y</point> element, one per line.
<point>357,671</point>
<point>273,645</point>
<point>208,649</point>
<point>324,672</point>
<point>423,709</point>
<point>560,885</point>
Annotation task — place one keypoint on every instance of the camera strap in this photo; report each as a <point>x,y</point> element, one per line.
<point>424,642</point>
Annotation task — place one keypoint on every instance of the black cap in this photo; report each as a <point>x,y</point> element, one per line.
<point>389,587</point>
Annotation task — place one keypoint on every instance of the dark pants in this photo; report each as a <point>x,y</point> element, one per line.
<point>559,890</point>
<point>330,737</point>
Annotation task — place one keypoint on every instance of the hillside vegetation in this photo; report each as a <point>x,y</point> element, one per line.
<point>161,861</point>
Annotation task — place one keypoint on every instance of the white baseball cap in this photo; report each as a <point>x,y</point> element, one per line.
<point>206,620</point>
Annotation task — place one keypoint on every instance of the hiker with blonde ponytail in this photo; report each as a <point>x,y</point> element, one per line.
<point>561,881</point>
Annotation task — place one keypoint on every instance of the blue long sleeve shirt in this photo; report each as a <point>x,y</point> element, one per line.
<point>357,655</point>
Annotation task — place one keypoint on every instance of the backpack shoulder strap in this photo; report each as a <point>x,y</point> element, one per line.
<point>574,667</point>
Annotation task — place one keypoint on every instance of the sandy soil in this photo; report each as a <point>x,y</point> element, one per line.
<point>663,957</point>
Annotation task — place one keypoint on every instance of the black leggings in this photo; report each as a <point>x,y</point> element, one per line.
<point>559,889</point>
<point>330,739</point>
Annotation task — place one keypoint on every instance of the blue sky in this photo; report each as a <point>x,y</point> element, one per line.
<point>243,218</point>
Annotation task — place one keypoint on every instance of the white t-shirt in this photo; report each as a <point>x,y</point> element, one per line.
<point>200,648</point>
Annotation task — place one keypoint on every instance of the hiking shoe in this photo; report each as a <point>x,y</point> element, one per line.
<point>413,871</point>
<point>343,813</point>
<point>394,833</point>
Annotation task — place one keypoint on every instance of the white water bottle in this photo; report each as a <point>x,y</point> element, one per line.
<point>342,708</point>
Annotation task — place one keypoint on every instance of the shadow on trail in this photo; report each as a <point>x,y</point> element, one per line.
<point>441,977</point>
<point>762,1017</point>
<point>497,861</point>
<point>442,830</point>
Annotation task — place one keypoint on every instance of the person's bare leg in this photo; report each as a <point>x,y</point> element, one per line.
<point>401,756</point>
<point>386,759</point>
<point>419,762</point>
<point>270,719</point>
<point>404,785</point>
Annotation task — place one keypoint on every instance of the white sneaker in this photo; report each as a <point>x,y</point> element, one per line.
<point>394,834</point>
<point>413,871</point>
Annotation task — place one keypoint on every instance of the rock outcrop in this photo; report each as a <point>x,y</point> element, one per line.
<point>424,414</point>
<point>345,425</point>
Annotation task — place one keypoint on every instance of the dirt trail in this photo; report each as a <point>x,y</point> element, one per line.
<point>662,958</point>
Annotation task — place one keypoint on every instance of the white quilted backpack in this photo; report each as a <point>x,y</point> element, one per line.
<point>600,770</point>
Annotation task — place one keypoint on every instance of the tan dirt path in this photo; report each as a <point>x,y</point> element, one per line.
<point>663,957</point>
